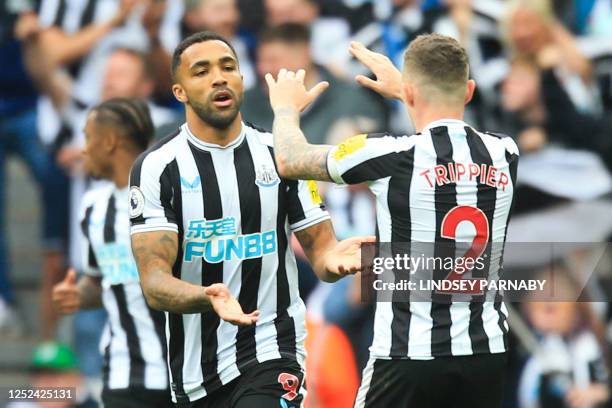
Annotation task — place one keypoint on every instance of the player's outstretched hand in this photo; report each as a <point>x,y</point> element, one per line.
<point>345,258</point>
<point>288,91</point>
<point>388,81</point>
<point>65,294</point>
<point>227,307</point>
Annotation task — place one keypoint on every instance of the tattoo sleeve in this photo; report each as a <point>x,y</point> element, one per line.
<point>155,254</point>
<point>295,157</point>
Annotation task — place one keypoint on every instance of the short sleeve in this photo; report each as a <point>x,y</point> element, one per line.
<point>150,196</point>
<point>368,157</point>
<point>305,206</point>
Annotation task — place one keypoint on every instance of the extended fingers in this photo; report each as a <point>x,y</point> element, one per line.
<point>318,89</point>
<point>269,79</point>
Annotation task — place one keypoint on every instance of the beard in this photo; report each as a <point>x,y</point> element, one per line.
<point>219,119</point>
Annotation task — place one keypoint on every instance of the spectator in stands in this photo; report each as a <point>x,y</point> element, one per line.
<point>220,16</point>
<point>533,32</point>
<point>539,111</point>
<point>288,46</point>
<point>330,36</point>
<point>569,367</point>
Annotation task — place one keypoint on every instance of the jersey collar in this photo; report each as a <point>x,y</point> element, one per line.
<point>200,144</point>
<point>445,122</point>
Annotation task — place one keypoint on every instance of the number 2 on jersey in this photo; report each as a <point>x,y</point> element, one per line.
<point>450,223</point>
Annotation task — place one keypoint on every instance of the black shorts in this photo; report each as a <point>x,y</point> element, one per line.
<point>275,384</point>
<point>447,382</point>
<point>136,398</point>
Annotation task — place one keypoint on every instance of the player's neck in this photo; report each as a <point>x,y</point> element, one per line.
<point>424,117</point>
<point>211,134</point>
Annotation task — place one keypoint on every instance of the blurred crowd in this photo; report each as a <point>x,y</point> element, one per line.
<point>544,74</point>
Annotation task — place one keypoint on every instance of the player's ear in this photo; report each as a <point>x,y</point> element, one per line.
<point>111,141</point>
<point>408,90</point>
<point>469,91</point>
<point>179,93</point>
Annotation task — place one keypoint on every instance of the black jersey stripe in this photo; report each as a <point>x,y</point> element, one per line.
<point>293,205</point>
<point>92,261</point>
<point>211,272</point>
<point>285,326</point>
<point>109,220</point>
<point>398,199</point>
<point>445,200</point>
<point>250,212</point>
<point>59,15</point>
<point>486,198</point>
<point>88,13</point>
<point>137,363</point>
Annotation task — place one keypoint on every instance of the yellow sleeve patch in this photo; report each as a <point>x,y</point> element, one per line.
<point>314,192</point>
<point>350,146</point>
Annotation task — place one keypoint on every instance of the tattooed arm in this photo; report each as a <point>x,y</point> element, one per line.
<point>330,259</point>
<point>155,253</point>
<point>295,157</point>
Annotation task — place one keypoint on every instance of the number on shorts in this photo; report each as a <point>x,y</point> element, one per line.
<point>290,384</point>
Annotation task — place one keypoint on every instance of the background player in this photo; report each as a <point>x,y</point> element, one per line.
<point>135,370</point>
<point>207,206</point>
<point>425,354</point>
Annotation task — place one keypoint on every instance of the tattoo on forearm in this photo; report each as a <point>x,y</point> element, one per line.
<point>302,160</point>
<point>155,254</point>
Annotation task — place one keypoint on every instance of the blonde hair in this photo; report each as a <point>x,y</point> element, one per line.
<point>543,8</point>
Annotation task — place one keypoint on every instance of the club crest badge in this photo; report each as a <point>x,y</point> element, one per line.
<point>266,176</point>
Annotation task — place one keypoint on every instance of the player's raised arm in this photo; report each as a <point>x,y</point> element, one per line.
<point>330,259</point>
<point>388,81</point>
<point>295,157</point>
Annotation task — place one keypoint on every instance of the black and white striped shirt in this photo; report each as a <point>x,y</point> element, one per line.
<point>133,344</point>
<point>234,216</point>
<point>417,181</point>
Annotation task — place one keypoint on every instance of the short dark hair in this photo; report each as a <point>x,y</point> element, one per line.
<point>440,61</point>
<point>196,38</point>
<point>142,57</point>
<point>131,116</point>
<point>288,33</point>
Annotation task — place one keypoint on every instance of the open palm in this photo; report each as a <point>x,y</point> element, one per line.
<point>227,307</point>
<point>345,257</point>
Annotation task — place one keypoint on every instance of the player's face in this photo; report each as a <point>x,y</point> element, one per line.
<point>210,83</point>
<point>94,156</point>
